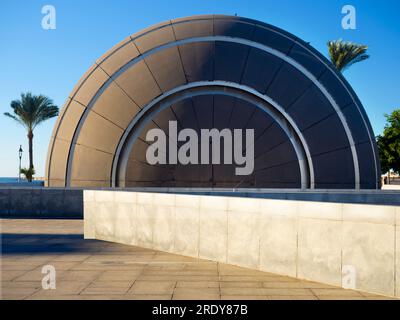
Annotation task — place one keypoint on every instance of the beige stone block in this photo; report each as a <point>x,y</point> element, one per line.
<point>278,244</point>
<point>244,237</point>
<point>164,199</point>
<point>88,195</point>
<point>369,213</point>
<point>188,201</point>
<point>320,210</point>
<point>99,133</point>
<point>244,204</point>
<point>369,249</point>
<point>125,223</point>
<point>90,86</point>
<point>124,197</point>
<point>145,198</point>
<point>104,196</point>
<point>145,224</point>
<point>187,227</point>
<point>89,219</point>
<point>216,203</point>
<point>164,227</point>
<point>397,216</point>
<point>319,250</point>
<point>118,56</point>
<point>105,221</point>
<point>213,232</point>
<point>279,207</point>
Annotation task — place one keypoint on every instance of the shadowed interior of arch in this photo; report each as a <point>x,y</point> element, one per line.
<point>276,162</point>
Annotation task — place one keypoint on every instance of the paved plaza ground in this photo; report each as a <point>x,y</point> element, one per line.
<point>92,269</point>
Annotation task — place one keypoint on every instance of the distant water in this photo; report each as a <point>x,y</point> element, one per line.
<point>14,181</point>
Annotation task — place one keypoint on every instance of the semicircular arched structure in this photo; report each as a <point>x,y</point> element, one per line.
<point>214,72</point>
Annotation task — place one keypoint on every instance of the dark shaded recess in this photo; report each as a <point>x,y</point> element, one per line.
<point>260,69</point>
<point>270,139</point>
<point>326,136</point>
<point>285,176</point>
<point>335,88</point>
<point>230,59</point>
<point>334,170</point>
<point>185,113</point>
<point>288,85</point>
<point>356,124</point>
<point>366,164</point>
<point>272,147</point>
<point>281,153</point>
<point>241,114</point>
<point>198,61</point>
<point>229,28</point>
<point>272,39</point>
<point>259,121</point>
<point>203,108</point>
<point>312,106</point>
<point>222,111</point>
<point>307,60</point>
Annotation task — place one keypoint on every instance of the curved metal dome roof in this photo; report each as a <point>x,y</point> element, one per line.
<point>214,71</point>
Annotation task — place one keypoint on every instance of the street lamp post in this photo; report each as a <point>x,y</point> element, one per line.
<point>20,157</point>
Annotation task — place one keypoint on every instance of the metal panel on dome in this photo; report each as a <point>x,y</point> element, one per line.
<point>214,71</point>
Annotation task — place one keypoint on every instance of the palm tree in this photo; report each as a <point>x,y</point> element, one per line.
<point>343,54</point>
<point>30,111</point>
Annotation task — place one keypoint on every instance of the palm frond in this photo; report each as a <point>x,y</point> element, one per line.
<point>344,54</point>
<point>31,110</point>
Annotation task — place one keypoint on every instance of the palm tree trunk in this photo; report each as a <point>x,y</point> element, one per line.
<point>30,139</point>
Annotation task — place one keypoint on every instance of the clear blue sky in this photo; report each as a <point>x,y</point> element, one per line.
<point>52,61</point>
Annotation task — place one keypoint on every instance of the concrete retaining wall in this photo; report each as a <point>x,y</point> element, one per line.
<point>41,203</point>
<point>334,243</point>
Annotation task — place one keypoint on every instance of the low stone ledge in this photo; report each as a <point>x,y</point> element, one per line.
<point>348,245</point>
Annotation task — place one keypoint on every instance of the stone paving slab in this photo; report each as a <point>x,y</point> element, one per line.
<point>99,270</point>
